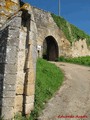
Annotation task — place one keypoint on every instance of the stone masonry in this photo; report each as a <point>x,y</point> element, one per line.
<point>47,27</point>
<point>22,38</point>
<point>18,65</point>
<point>80,48</point>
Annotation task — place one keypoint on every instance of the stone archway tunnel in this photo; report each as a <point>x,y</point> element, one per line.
<point>50,49</point>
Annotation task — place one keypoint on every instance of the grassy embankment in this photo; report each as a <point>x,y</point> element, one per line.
<point>79,60</point>
<point>48,80</point>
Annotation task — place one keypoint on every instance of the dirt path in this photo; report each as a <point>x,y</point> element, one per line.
<point>73,98</point>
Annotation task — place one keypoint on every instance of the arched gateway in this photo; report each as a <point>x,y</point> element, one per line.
<point>50,49</point>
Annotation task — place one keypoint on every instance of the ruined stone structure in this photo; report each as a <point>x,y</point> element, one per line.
<point>25,35</point>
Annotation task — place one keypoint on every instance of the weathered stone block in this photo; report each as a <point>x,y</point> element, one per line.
<point>18,109</point>
<point>20,78</point>
<point>22,55</point>
<point>30,89</point>
<point>32,36</point>
<point>30,64</point>
<point>7,94</point>
<point>10,78</point>
<point>10,57</point>
<point>27,66</point>
<point>19,89</point>
<point>31,77</point>
<point>34,54</point>
<point>22,40</point>
<point>8,102</point>
<point>18,100</point>
<point>13,32</point>
<point>11,68</point>
<point>20,66</point>
<point>29,99</point>
<point>16,22</point>
<point>7,112</point>
<point>9,87</point>
<point>21,62</point>
<point>29,108</point>
<point>33,26</point>
<point>13,41</point>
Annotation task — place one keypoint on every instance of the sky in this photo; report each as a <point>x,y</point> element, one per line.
<point>76,12</point>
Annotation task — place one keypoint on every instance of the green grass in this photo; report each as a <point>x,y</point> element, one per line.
<point>79,60</point>
<point>20,117</point>
<point>48,80</point>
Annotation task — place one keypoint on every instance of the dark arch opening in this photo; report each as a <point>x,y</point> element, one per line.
<point>50,49</point>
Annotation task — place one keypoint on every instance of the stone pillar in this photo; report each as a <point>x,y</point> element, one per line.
<point>31,66</point>
<point>10,67</point>
<point>18,63</point>
<point>20,72</point>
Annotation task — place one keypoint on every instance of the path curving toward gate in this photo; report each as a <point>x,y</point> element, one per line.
<point>73,98</point>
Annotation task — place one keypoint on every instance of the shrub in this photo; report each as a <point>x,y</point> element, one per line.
<point>71,32</point>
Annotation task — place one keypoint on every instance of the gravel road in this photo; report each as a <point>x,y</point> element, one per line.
<point>72,101</point>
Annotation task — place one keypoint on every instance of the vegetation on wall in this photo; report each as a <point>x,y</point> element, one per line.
<point>71,32</point>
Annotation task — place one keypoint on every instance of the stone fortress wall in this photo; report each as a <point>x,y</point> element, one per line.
<point>47,27</point>
<point>26,35</point>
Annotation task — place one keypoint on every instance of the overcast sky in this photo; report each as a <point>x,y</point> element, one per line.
<point>76,12</point>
